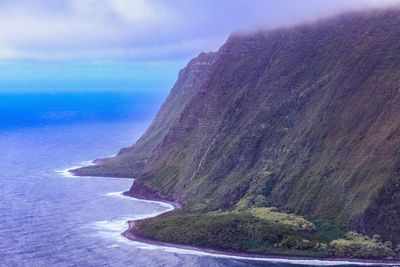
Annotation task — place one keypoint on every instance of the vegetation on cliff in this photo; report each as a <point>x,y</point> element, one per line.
<point>131,161</point>
<point>262,231</point>
<point>361,246</point>
<point>236,230</point>
<point>305,119</point>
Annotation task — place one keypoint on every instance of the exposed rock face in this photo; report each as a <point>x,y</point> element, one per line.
<point>306,119</point>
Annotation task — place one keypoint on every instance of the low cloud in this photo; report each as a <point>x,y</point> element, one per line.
<point>146,29</point>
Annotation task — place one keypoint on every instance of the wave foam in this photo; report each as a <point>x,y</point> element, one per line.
<point>308,262</point>
<point>112,230</point>
<point>67,171</point>
<point>168,206</point>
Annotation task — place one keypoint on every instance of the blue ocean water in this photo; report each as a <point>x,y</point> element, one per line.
<point>47,219</point>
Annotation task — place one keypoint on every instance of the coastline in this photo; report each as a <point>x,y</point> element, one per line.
<point>273,258</point>
<point>221,253</point>
<point>142,193</point>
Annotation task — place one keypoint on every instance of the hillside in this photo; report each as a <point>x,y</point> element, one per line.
<point>130,161</point>
<point>306,119</point>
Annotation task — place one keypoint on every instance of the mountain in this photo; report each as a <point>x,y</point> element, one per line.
<point>130,161</point>
<point>305,119</point>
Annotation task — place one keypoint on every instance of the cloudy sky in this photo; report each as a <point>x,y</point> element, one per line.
<point>162,34</point>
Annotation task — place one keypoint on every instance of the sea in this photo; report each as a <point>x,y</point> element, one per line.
<point>51,218</point>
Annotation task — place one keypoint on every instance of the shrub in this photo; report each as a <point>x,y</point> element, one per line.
<point>327,230</point>
<point>360,246</point>
<point>260,201</point>
<point>233,230</point>
<point>296,222</point>
<point>244,204</point>
<point>295,242</point>
<point>321,246</point>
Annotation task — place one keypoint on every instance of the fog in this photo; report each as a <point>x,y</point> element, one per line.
<point>146,29</point>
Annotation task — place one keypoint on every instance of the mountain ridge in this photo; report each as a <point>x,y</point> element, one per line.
<point>131,161</point>
<point>302,118</point>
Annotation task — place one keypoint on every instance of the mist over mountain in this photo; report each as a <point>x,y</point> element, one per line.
<point>304,118</point>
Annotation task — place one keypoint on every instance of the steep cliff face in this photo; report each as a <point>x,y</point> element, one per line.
<point>189,81</point>
<point>306,119</point>
<point>130,161</point>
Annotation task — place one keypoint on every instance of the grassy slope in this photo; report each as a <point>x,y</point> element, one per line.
<point>305,119</point>
<point>262,231</point>
<point>237,231</point>
<point>131,161</point>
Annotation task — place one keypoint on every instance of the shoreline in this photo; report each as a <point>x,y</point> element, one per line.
<point>221,253</point>
<point>243,256</point>
<point>142,193</point>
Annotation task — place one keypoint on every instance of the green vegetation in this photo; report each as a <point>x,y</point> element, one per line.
<point>224,230</point>
<point>327,230</point>
<point>244,130</point>
<point>257,231</point>
<point>263,231</point>
<point>361,246</point>
<point>291,220</point>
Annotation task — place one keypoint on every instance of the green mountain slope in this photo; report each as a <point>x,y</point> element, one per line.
<point>130,161</point>
<point>306,119</point>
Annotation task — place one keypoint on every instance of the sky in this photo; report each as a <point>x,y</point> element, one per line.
<point>132,43</point>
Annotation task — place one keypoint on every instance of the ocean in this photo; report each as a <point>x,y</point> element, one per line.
<point>48,218</point>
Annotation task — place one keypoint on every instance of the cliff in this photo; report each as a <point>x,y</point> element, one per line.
<point>131,161</point>
<point>305,119</point>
